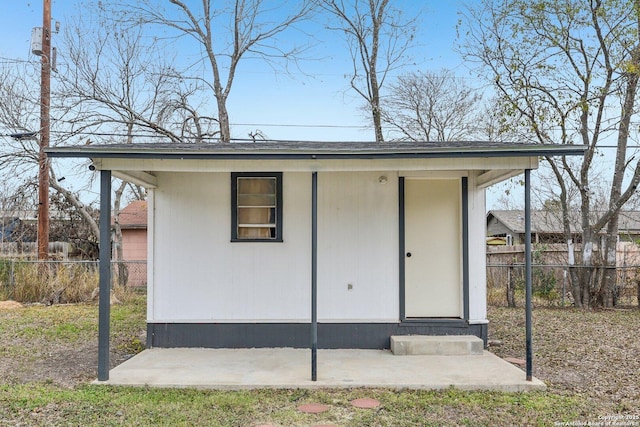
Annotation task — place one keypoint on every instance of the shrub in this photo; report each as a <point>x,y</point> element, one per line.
<point>53,283</point>
<point>73,283</point>
<point>29,282</point>
<point>544,284</point>
<point>5,279</point>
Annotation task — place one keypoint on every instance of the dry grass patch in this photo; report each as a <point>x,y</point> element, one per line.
<point>584,352</point>
<point>57,283</point>
<point>49,354</point>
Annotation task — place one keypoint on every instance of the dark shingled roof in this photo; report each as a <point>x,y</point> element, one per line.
<point>315,149</point>
<point>134,215</point>
<point>543,221</point>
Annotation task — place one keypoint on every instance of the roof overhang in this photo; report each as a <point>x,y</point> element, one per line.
<point>287,150</point>
<point>495,161</point>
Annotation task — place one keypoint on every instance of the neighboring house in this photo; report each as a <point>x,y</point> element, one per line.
<point>629,226</point>
<point>505,237</point>
<point>547,227</point>
<point>18,230</point>
<point>9,226</point>
<point>18,235</point>
<point>18,225</point>
<point>10,236</point>
<point>257,244</point>
<point>133,223</point>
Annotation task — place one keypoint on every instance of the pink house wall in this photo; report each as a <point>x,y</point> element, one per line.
<point>134,248</point>
<point>134,245</point>
<point>133,223</point>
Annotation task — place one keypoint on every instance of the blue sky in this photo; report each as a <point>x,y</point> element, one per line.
<point>296,106</point>
<point>326,98</point>
<point>315,104</point>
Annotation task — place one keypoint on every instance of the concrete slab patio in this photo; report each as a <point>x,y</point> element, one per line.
<point>291,368</point>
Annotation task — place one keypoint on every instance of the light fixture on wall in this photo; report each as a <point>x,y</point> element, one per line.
<point>382,179</point>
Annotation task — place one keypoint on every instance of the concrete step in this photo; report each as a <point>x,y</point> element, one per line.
<point>442,345</point>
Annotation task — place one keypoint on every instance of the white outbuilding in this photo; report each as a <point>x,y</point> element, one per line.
<point>310,244</point>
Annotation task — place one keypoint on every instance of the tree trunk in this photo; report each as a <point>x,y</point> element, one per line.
<point>588,273</point>
<point>223,117</point>
<point>377,122</point>
<point>574,274</point>
<point>374,88</point>
<point>608,283</point>
<point>123,272</point>
<point>609,276</point>
<point>375,102</point>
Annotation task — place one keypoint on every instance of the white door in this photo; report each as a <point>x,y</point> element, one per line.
<point>433,255</point>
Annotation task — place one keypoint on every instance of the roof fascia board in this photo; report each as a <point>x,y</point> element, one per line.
<point>320,154</point>
<point>307,165</point>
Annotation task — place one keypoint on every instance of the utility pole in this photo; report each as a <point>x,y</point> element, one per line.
<point>43,162</point>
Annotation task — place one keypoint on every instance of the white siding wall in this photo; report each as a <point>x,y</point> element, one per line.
<point>201,276</point>
<point>357,245</point>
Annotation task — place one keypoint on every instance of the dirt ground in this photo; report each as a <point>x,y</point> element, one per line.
<point>57,363</point>
<point>593,353</point>
<point>50,348</point>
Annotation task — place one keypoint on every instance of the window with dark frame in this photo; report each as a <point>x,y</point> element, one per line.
<point>256,207</point>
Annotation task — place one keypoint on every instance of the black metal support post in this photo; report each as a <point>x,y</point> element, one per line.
<point>314,276</point>
<point>104,306</point>
<point>465,247</point>
<point>527,261</point>
<point>401,253</point>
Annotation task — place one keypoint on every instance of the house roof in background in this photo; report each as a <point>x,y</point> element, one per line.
<point>315,150</point>
<point>629,221</point>
<point>541,221</point>
<point>545,221</point>
<point>134,215</point>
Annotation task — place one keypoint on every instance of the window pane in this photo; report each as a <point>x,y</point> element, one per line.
<point>256,233</point>
<point>256,207</point>
<point>267,200</point>
<point>248,216</point>
<point>257,186</point>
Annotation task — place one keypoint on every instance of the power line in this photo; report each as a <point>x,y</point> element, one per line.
<point>15,61</point>
<point>293,125</point>
<point>150,134</point>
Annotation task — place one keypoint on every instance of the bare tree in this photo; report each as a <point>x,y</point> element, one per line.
<point>145,98</point>
<point>112,84</point>
<point>87,98</point>
<point>19,118</point>
<point>428,106</point>
<point>378,38</point>
<point>19,106</point>
<point>569,71</point>
<point>226,32</point>
<point>16,201</point>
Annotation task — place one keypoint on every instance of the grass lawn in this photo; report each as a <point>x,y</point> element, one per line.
<point>48,356</point>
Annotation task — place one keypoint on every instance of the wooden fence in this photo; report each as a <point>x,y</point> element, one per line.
<point>550,279</point>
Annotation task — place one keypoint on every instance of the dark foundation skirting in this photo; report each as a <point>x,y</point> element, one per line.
<point>297,335</point>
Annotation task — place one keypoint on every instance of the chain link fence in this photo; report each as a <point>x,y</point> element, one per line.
<point>551,285</point>
<point>76,281</point>
<point>64,281</point>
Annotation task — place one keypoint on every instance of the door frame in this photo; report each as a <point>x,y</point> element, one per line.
<point>464,205</point>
